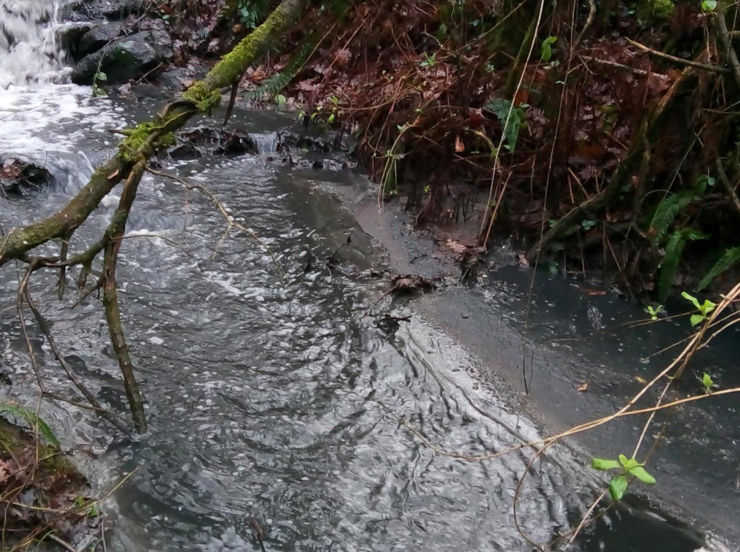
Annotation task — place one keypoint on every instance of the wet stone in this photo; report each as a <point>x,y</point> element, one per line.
<point>97,37</point>
<point>94,10</point>
<point>125,59</point>
<point>20,178</point>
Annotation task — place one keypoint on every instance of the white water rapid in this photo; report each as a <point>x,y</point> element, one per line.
<point>42,119</point>
<point>30,49</point>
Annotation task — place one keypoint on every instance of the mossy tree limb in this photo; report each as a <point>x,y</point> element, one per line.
<point>129,163</point>
<point>147,137</point>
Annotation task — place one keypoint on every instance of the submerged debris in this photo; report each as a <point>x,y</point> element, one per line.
<point>18,177</point>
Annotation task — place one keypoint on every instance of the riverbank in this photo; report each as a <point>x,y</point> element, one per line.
<point>584,359</point>
<point>284,402</point>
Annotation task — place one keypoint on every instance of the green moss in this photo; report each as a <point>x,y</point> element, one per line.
<point>168,140</point>
<point>206,98</point>
<point>129,148</point>
<point>655,10</point>
<point>232,66</point>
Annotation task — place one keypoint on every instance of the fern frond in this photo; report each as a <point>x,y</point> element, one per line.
<point>694,235</point>
<point>667,212</point>
<point>729,259</point>
<point>274,84</point>
<point>669,265</point>
<point>32,420</point>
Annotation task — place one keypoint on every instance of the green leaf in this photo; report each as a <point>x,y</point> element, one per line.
<point>697,319</point>
<point>669,265</point>
<point>709,5</point>
<point>707,307</point>
<point>602,465</point>
<point>547,47</point>
<point>280,99</point>
<point>628,463</point>
<point>654,311</point>
<point>101,76</point>
<point>274,84</point>
<point>640,473</point>
<point>32,420</point>
<point>588,224</point>
<point>617,487</point>
<point>510,116</point>
<point>707,381</point>
<point>692,299</point>
<point>729,259</point>
<point>668,210</point>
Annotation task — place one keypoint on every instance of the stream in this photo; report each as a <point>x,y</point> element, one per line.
<point>264,400</point>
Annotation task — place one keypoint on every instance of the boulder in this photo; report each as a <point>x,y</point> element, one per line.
<point>97,37</point>
<point>96,10</point>
<point>127,58</point>
<point>69,36</point>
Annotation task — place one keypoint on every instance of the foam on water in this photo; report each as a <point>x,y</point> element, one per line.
<point>44,125</point>
<point>42,119</point>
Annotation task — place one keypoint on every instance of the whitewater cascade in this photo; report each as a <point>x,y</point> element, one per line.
<point>30,45</point>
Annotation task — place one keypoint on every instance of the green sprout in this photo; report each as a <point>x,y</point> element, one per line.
<point>629,467</point>
<point>547,47</point>
<point>704,309</point>
<point>654,311</point>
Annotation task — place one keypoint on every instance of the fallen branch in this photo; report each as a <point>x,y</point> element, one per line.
<point>46,330</point>
<point>129,163</point>
<point>680,61</point>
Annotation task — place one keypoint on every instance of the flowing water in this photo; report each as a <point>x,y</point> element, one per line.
<point>264,399</point>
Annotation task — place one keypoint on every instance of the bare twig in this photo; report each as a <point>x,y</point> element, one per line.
<point>230,222</point>
<point>724,37</point>
<point>94,404</point>
<point>680,61</point>
<point>587,25</point>
<point>727,184</point>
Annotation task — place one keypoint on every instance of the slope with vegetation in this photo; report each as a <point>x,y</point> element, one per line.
<point>604,133</point>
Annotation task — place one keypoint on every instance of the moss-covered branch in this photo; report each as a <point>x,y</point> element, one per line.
<point>129,163</point>
<point>147,137</point>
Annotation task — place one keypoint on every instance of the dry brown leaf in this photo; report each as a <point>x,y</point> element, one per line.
<point>641,380</point>
<point>459,146</point>
<point>457,247</point>
<point>588,291</point>
<point>583,388</point>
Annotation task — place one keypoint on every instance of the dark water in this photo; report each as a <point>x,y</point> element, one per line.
<point>262,398</point>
